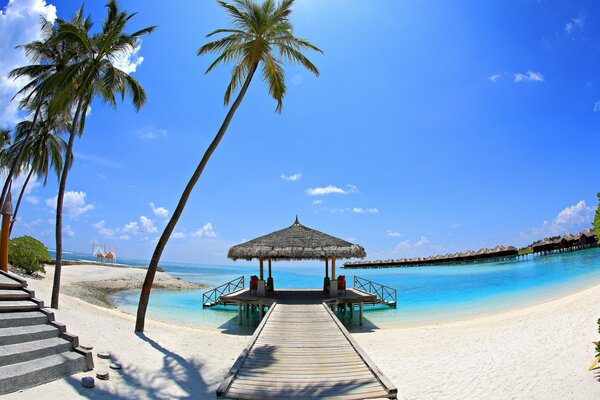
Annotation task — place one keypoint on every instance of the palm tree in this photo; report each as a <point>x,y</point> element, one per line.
<point>92,74</point>
<point>258,30</point>
<point>43,150</point>
<point>4,146</point>
<point>48,56</point>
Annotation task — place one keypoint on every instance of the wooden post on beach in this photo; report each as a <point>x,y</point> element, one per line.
<point>262,274</point>
<point>6,213</point>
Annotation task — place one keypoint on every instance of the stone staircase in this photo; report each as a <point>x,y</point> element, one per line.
<point>34,349</point>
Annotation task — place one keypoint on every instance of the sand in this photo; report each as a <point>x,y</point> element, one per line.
<point>538,352</point>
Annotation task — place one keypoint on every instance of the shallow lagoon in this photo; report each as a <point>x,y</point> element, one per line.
<point>425,294</point>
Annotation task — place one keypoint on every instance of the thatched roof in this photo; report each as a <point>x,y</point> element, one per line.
<point>296,242</point>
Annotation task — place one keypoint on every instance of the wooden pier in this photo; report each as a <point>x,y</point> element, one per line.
<point>304,351</point>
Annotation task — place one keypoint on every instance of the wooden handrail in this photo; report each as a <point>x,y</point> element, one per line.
<point>212,296</point>
<point>384,293</point>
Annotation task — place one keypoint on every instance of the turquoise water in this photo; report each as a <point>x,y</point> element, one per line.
<point>425,294</point>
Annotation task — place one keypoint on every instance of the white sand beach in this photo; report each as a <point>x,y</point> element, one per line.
<point>538,352</point>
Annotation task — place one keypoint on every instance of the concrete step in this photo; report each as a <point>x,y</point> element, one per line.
<point>26,318</point>
<point>22,334</point>
<point>8,283</point>
<point>13,294</point>
<point>21,352</point>
<point>35,372</point>
<point>17,305</point>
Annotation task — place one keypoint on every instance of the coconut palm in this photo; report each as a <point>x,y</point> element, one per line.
<point>43,150</point>
<point>261,36</point>
<point>92,74</point>
<point>4,146</point>
<point>48,56</point>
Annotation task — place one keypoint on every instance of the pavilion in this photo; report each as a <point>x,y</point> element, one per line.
<point>297,242</point>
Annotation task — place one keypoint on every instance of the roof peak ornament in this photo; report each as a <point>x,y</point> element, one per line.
<point>296,222</point>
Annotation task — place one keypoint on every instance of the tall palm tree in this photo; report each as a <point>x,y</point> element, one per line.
<point>4,146</point>
<point>48,56</point>
<point>43,150</point>
<point>258,31</point>
<point>92,74</point>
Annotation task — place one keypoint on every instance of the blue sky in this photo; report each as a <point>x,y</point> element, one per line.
<point>436,126</point>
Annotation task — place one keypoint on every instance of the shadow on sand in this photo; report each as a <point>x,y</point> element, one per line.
<point>179,378</point>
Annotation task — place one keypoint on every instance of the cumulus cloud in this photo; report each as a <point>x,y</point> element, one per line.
<point>147,225</point>
<point>393,233</point>
<point>494,78</point>
<point>68,231</point>
<point>329,189</point>
<point>159,211</point>
<point>19,24</point>
<point>294,177</point>
<point>420,248</point>
<point>178,235</point>
<point>572,219</point>
<point>597,106</point>
<point>153,133</point>
<point>529,76</point>
<point>103,231</point>
<point>128,61</point>
<point>74,204</point>
<point>32,199</point>
<point>17,185</point>
<point>206,231</point>
<point>33,223</point>
<point>317,201</point>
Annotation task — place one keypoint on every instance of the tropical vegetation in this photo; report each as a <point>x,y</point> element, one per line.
<point>261,35</point>
<point>596,222</point>
<point>28,254</point>
<point>597,344</point>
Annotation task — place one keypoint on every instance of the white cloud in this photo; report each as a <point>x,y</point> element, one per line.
<point>294,177</point>
<point>597,106</point>
<point>455,226</point>
<point>317,201</point>
<point>74,204</point>
<point>129,61</point>
<point>33,223</point>
<point>572,219</point>
<point>393,233</point>
<point>421,248</point>
<point>130,227</point>
<point>575,25</point>
<point>152,133</point>
<point>32,199</point>
<point>68,231</point>
<point>124,237</point>
<point>159,211</point>
<point>329,189</point>
<point>360,210</point>
<point>100,226</point>
<point>529,76</point>
<point>178,235</point>
<point>19,24</point>
<point>494,78</point>
<point>206,231</point>
<point>147,225</point>
<point>105,162</point>
<point>423,241</point>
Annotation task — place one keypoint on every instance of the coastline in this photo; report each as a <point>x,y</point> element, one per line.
<point>535,352</point>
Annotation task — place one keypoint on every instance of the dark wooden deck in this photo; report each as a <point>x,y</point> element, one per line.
<point>302,350</point>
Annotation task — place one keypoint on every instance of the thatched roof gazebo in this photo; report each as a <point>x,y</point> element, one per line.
<point>296,242</point>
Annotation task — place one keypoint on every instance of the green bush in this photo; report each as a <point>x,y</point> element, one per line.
<point>28,254</point>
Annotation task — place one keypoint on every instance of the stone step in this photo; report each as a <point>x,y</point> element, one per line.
<point>35,372</point>
<point>8,283</point>
<point>22,334</point>
<point>21,352</point>
<point>17,305</point>
<point>26,318</point>
<point>13,294</point>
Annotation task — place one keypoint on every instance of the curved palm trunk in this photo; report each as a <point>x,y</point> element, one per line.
<point>14,216</point>
<point>59,206</point>
<point>164,238</point>
<point>17,159</point>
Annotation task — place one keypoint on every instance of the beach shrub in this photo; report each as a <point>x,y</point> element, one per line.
<point>597,220</point>
<point>597,360</point>
<point>28,254</point>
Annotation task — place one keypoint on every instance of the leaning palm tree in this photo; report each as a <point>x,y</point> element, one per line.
<point>43,150</point>
<point>92,74</point>
<point>258,32</point>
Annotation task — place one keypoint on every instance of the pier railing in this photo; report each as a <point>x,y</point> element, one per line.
<point>211,297</point>
<point>385,294</point>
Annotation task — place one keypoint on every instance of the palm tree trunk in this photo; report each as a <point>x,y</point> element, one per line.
<point>59,205</point>
<point>164,238</point>
<point>17,159</point>
<point>14,216</point>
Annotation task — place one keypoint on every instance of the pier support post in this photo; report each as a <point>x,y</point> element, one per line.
<point>240,313</point>
<point>360,311</point>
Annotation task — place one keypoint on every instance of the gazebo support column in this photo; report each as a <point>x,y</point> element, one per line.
<point>260,289</point>
<point>326,279</point>
<point>270,286</point>
<point>333,292</point>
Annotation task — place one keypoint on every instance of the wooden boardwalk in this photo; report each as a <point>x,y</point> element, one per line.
<point>304,351</point>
